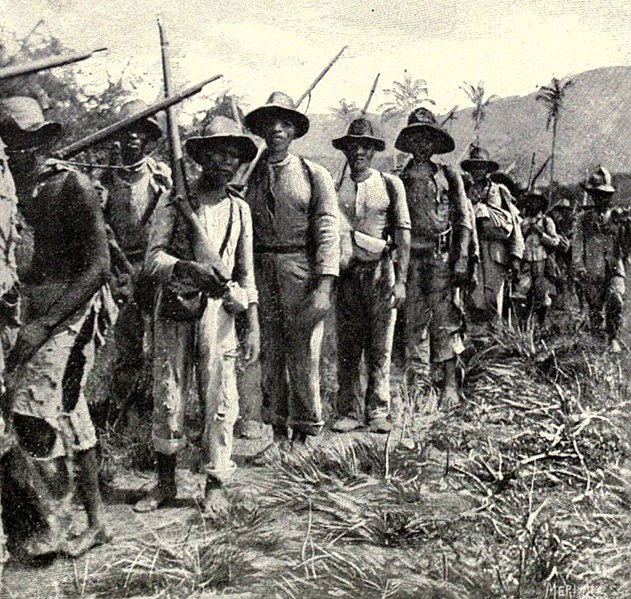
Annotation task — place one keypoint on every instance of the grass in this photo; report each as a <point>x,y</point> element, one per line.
<point>528,486</point>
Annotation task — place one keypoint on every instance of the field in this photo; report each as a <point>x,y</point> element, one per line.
<point>523,493</point>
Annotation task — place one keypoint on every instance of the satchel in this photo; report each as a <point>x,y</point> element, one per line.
<point>182,301</point>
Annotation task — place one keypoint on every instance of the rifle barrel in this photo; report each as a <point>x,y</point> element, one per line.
<point>324,71</point>
<point>45,63</point>
<point>370,95</point>
<point>114,128</point>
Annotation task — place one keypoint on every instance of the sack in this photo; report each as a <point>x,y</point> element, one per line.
<point>370,248</point>
<point>552,272</point>
<point>181,302</point>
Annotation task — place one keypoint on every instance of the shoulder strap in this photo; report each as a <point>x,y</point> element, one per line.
<point>226,239</point>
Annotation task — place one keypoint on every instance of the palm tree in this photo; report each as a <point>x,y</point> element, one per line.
<point>553,96</point>
<point>406,97</point>
<point>476,94</point>
<point>346,111</point>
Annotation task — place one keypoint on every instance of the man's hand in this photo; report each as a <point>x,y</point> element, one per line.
<point>122,287</point>
<point>399,294</point>
<point>460,273</point>
<point>317,304</point>
<point>252,347</point>
<point>203,277</point>
<point>30,338</point>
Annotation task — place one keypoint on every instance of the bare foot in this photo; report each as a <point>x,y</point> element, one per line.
<point>215,502</point>
<point>89,538</point>
<point>159,496</point>
<point>449,399</point>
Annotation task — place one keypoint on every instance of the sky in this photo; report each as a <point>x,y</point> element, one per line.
<point>266,45</point>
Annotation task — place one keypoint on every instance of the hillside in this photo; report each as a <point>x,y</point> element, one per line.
<point>593,129</point>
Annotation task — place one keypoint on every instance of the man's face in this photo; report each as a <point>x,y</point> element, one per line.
<point>220,163</point>
<point>359,155</point>
<point>279,134</point>
<point>478,173</point>
<point>602,199</point>
<point>134,143</point>
<point>422,145</point>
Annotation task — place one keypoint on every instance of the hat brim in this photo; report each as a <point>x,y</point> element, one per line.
<point>489,165</point>
<point>195,146</point>
<point>44,134</point>
<point>258,120</point>
<point>341,143</point>
<point>443,142</point>
<point>151,126</point>
<point>603,188</point>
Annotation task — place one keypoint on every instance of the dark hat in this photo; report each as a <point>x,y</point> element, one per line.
<point>479,158</point>
<point>359,130</point>
<point>536,200</point>
<point>22,123</point>
<point>421,119</point>
<point>150,123</point>
<point>504,179</point>
<point>220,130</point>
<point>599,180</point>
<point>278,104</point>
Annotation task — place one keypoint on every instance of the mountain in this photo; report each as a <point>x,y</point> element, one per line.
<point>594,128</point>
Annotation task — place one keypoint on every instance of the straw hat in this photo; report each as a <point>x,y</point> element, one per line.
<point>421,119</point>
<point>599,180</point>
<point>479,158</point>
<point>22,123</point>
<point>359,130</point>
<point>278,105</point>
<point>219,131</point>
<point>149,123</point>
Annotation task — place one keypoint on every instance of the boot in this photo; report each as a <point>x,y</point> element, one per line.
<point>165,491</point>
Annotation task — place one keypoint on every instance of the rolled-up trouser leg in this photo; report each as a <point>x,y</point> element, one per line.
<point>352,329</point>
<point>174,346</point>
<point>614,305</point>
<point>216,375</point>
<point>274,387</point>
<point>417,315</point>
<point>445,324</point>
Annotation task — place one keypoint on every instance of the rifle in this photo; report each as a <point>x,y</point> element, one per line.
<point>203,251</point>
<point>243,181</point>
<point>363,113</point>
<point>539,173</point>
<point>45,63</point>
<point>113,129</point>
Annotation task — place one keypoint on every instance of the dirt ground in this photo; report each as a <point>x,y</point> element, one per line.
<point>71,578</point>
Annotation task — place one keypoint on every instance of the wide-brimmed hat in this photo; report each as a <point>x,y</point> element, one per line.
<point>507,181</point>
<point>535,198</point>
<point>422,119</point>
<point>22,123</point>
<point>281,105</point>
<point>359,130</point>
<point>563,204</point>
<point>220,130</point>
<point>479,158</point>
<point>150,123</point>
<point>599,180</point>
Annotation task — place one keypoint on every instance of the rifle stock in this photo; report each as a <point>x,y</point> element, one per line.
<point>203,251</point>
<point>45,63</point>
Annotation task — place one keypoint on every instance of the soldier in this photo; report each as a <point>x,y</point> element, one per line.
<point>371,288</point>
<point>441,235</point>
<point>217,221</point>
<point>500,236</point>
<point>133,190</point>
<point>597,257</point>
<point>66,301</point>
<point>562,213</point>
<point>535,286</point>
<point>296,246</point>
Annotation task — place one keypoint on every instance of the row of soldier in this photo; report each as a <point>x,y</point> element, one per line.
<point>170,274</point>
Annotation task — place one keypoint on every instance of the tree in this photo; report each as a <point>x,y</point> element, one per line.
<point>406,97</point>
<point>476,94</point>
<point>346,111</point>
<point>553,96</point>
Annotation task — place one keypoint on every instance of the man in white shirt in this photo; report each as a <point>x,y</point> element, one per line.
<point>375,216</point>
